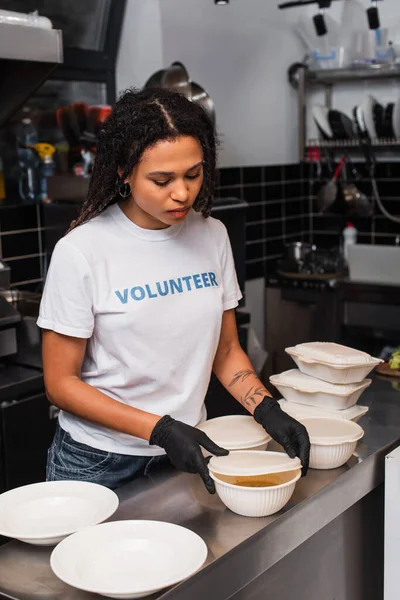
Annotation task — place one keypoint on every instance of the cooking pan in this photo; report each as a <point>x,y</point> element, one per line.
<point>200,96</point>
<point>356,201</point>
<point>155,81</point>
<point>176,77</point>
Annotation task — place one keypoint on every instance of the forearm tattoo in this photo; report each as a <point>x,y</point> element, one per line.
<point>253,396</point>
<point>242,376</point>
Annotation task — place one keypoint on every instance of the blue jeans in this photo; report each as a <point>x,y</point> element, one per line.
<point>68,459</point>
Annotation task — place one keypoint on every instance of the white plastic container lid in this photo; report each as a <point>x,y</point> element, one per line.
<point>253,462</point>
<point>303,410</point>
<point>305,383</point>
<point>235,432</point>
<point>332,354</point>
<point>326,431</point>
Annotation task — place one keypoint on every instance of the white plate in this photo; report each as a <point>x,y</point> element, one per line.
<point>396,119</point>
<point>368,113</point>
<point>320,116</point>
<point>358,117</point>
<point>128,559</point>
<point>45,513</point>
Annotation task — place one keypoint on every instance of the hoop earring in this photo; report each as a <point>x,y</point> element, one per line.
<point>125,190</point>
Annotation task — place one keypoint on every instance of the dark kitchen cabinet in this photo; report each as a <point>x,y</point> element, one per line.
<point>27,428</point>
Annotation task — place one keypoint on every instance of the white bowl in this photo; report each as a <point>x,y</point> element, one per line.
<point>45,513</point>
<point>333,441</point>
<point>236,432</point>
<point>299,388</point>
<point>128,559</point>
<point>255,501</point>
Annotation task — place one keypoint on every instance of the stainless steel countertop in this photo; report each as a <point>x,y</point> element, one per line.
<point>25,573</point>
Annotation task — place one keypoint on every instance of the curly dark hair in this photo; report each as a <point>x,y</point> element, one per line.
<point>139,120</point>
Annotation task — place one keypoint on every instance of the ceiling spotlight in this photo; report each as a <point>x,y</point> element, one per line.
<point>221,2</point>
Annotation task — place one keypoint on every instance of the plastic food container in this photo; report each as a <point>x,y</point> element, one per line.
<point>333,441</point>
<point>236,432</point>
<point>255,483</point>
<point>298,411</point>
<point>300,388</point>
<point>332,362</point>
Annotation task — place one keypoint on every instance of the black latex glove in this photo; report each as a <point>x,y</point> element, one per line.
<point>285,430</point>
<point>182,444</point>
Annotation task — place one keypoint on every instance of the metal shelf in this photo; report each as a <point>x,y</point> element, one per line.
<point>27,57</point>
<point>327,78</point>
<point>359,73</point>
<point>18,42</point>
<point>348,144</point>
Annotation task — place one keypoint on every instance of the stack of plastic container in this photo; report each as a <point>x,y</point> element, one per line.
<point>328,382</point>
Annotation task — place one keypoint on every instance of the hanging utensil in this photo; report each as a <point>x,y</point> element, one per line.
<point>328,192</point>
<point>177,78</point>
<point>155,81</point>
<point>200,96</point>
<point>356,201</point>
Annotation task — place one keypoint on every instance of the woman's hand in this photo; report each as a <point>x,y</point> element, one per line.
<point>285,430</point>
<point>182,444</point>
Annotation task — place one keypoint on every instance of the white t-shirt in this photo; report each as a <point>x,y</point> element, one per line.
<point>150,303</point>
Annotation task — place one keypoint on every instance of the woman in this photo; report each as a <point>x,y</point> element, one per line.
<point>138,306</point>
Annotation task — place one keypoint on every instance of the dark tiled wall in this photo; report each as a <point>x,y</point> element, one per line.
<point>21,244</point>
<point>278,203</point>
<point>326,230</point>
<point>28,234</point>
<point>277,212</point>
<point>282,208</point>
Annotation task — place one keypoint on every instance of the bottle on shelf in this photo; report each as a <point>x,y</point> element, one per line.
<point>349,238</point>
<point>46,168</point>
<point>28,160</point>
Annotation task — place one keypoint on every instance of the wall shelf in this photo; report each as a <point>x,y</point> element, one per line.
<point>349,144</point>
<point>327,78</point>
<point>27,57</point>
<point>359,73</point>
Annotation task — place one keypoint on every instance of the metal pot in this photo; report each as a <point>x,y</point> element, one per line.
<point>298,251</point>
<point>176,78</point>
<point>200,96</point>
<point>155,81</point>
